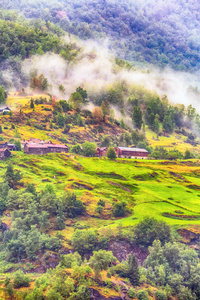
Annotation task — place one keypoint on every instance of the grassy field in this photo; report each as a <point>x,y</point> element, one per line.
<point>168,191</point>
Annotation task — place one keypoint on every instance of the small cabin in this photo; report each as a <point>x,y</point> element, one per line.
<point>101,151</point>
<point>4,109</point>
<point>4,153</point>
<point>12,147</point>
<point>131,152</point>
<point>41,149</point>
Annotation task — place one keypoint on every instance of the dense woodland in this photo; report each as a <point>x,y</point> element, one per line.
<point>157,33</point>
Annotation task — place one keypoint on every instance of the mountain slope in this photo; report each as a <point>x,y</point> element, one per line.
<point>158,33</point>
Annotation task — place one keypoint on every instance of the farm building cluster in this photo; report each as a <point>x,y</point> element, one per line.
<point>38,147</point>
<point>124,152</point>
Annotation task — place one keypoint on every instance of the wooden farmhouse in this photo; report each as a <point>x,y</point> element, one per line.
<point>40,149</point>
<point>4,153</point>
<point>101,151</point>
<point>131,152</point>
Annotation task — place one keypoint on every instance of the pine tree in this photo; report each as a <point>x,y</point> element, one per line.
<point>32,104</point>
<point>137,117</point>
<point>133,270</point>
<point>12,177</point>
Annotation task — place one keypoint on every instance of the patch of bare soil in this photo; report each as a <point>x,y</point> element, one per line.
<point>121,186</point>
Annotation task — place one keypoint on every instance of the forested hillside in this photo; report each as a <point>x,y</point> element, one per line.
<point>80,82</point>
<point>160,33</point>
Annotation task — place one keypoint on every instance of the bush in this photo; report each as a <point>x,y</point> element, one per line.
<point>142,295</point>
<point>68,260</point>
<point>188,154</point>
<point>148,230</point>
<point>84,241</point>
<point>101,203</point>
<point>71,206</point>
<point>131,293</point>
<point>76,149</point>
<point>18,145</point>
<point>20,280</point>
<point>111,153</point>
<point>119,209</point>
<point>99,209</point>
<point>89,149</point>
<point>160,295</point>
<point>66,128</point>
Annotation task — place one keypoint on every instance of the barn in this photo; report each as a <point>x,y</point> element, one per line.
<point>4,153</point>
<point>131,152</point>
<point>40,149</point>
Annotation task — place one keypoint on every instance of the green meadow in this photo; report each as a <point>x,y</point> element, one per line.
<point>166,190</point>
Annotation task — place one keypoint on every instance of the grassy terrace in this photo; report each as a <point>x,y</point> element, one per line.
<point>169,191</point>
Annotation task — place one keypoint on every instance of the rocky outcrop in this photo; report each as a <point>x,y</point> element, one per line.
<point>121,250</point>
<point>95,295</point>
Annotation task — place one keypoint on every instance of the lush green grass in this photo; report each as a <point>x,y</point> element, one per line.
<point>150,188</point>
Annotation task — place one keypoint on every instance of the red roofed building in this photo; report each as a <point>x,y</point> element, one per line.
<point>101,151</point>
<point>39,149</point>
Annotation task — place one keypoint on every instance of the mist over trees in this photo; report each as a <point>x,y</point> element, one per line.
<point>161,33</point>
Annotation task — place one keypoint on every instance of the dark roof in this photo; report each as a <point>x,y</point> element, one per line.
<point>4,108</point>
<point>132,149</point>
<point>3,149</point>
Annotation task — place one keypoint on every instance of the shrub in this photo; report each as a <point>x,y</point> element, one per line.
<point>20,280</point>
<point>84,241</point>
<point>160,295</point>
<point>142,295</point>
<point>89,149</point>
<point>188,154</point>
<point>68,260</point>
<point>111,153</point>
<point>131,293</point>
<point>66,128</point>
<point>97,114</point>
<point>148,230</point>
<point>101,203</point>
<point>76,149</point>
<point>18,145</point>
<point>99,209</point>
<point>119,209</point>
<point>60,120</point>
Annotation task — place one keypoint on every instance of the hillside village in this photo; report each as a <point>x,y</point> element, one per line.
<point>99,150</point>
